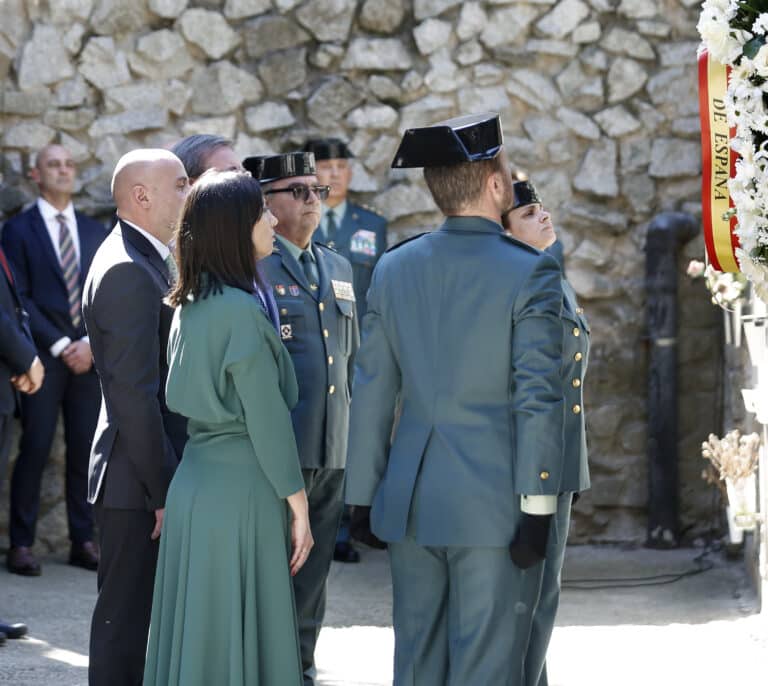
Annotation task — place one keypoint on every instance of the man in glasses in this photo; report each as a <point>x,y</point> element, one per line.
<point>360,235</point>
<point>318,324</point>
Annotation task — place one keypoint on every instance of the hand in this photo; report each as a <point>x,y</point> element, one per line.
<point>30,381</point>
<point>301,535</point>
<point>158,524</point>
<point>360,527</point>
<point>78,357</point>
<point>529,547</point>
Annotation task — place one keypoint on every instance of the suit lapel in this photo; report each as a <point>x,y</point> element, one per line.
<point>44,238</point>
<point>147,249</point>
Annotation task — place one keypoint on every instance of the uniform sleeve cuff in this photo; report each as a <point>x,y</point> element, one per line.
<point>538,504</point>
<point>58,347</point>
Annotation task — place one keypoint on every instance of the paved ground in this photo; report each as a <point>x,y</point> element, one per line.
<point>700,630</point>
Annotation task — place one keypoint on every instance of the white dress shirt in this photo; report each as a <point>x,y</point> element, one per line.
<point>162,249</point>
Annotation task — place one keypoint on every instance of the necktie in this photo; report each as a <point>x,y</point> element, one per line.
<point>173,270</point>
<point>70,269</point>
<point>6,266</point>
<point>331,227</point>
<point>310,271</point>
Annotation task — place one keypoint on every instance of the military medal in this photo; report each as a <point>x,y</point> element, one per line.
<point>294,289</point>
<point>286,332</point>
<point>343,290</point>
<point>280,289</point>
<point>363,242</point>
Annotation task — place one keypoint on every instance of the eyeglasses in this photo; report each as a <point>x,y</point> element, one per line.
<point>301,191</point>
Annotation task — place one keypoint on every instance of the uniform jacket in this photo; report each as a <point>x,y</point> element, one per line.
<point>319,328</point>
<point>362,239</point>
<point>38,274</point>
<point>464,328</point>
<point>16,347</point>
<point>138,441</point>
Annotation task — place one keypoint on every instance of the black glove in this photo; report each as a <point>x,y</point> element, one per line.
<point>360,527</point>
<point>530,543</point>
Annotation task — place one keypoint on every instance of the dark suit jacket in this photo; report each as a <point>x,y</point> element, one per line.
<point>319,328</point>
<point>38,274</point>
<point>16,348</point>
<point>138,441</point>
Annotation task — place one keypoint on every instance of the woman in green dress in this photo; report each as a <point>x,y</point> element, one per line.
<point>223,611</point>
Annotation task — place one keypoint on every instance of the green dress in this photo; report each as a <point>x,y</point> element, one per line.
<point>223,610</point>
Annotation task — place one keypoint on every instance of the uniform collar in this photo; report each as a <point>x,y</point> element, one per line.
<point>293,249</point>
<point>471,223</point>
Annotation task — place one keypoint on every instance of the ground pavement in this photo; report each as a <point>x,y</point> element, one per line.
<point>702,629</point>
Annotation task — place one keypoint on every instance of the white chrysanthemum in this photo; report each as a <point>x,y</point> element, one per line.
<point>760,26</point>
<point>723,44</point>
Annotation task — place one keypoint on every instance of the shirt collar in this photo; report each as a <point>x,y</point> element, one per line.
<point>49,212</point>
<point>162,248</point>
<point>338,212</point>
<point>294,250</point>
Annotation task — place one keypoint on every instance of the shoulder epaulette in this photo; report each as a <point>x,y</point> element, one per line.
<point>520,244</point>
<point>327,247</point>
<point>407,240</point>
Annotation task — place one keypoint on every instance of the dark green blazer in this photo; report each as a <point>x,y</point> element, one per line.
<point>464,332</point>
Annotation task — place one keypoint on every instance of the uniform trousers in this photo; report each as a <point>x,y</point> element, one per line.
<point>325,494</point>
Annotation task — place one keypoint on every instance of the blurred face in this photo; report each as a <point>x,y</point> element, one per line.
<point>263,234</point>
<point>54,172</point>
<point>336,174</point>
<point>166,188</point>
<point>297,217</point>
<point>531,224</point>
<point>223,158</point>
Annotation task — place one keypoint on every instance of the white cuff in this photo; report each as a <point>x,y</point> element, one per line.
<point>58,347</point>
<point>538,504</point>
<point>86,339</point>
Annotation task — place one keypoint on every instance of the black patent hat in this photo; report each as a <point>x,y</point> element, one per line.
<point>469,138</point>
<point>328,149</point>
<point>525,194</point>
<point>273,167</point>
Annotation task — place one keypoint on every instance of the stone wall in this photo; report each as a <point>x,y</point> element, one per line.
<point>598,102</point>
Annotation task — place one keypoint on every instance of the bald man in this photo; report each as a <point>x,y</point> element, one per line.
<point>138,442</point>
<point>50,247</point>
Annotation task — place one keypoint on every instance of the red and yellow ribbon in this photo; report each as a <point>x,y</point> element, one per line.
<point>719,165</point>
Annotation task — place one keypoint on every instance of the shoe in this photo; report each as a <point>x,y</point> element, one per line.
<point>21,561</point>
<point>12,630</point>
<point>344,552</point>
<point>85,555</point>
<point>360,528</point>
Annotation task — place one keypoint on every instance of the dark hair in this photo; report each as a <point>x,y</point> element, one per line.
<point>453,186</point>
<point>214,247</point>
<point>194,150</point>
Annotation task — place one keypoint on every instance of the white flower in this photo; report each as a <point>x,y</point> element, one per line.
<point>723,44</point>
<point>761,24</point>
<point>760,62</point>
<point>695,269</point>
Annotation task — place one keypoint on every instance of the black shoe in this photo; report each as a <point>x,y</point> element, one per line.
<point>21,561</point>
<point>85,555</point>
<point>344,552</point>
<point>12,630</point>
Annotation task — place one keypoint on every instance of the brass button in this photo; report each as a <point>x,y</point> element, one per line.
<point>579,310</point>
<point>576,409</point>
<point>544,475</point>
<point>576,331</point>
<point>326,334</point>
<point>321,307</point>
<point>283,311</point>
<point>577,357</point>
<point>331,389</point>
<point>330,359</point>
<point>576,383</point>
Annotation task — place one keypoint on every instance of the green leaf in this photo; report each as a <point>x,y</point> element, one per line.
<point>752,47</point>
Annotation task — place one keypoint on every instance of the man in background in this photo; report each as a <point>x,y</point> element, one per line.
<point>50,248</point>
<point>204,151</point>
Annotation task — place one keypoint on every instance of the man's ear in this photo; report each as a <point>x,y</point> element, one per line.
<point>140,196</point>
<point>34,174</point>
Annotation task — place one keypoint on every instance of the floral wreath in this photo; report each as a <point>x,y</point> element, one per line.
<point>734,32</point>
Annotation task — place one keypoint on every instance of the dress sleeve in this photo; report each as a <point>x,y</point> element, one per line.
<point>254,369</point>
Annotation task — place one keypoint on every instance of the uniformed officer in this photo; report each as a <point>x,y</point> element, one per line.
<point>318,324</point>
<point>360,234</point>
<point>463,332</point>
<point>529,221</point>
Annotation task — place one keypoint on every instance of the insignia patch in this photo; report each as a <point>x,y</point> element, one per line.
<point>286,332</point>
<point>294,290</point>
<point>364,242</point>
<point>343,290</point>
<point>280,289</point>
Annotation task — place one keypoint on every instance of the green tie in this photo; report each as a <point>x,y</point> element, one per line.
<point>331,227</point>
<point>310,271</point>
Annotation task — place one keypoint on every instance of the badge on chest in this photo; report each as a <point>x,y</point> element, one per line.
<point>343,290</point>
<point>363,242</point>
<point>286,332</point>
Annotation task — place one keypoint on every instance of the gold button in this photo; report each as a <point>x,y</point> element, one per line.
<point>579,310</point>
<point>330,359</point>
<point>576,409</point>
<point>321,307</point>
<point>331,389</point>
<point>283,311</point>
<point>576,332</point>
<point>577,357</point>
<point>576,383</point>
<point>326,334</point>
<point>544,475</point>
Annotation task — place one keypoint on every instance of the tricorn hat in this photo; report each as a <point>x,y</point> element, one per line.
<point>273,167</point>
<point>328,148</point>
<point>469,138</point>
<point>525,194</point>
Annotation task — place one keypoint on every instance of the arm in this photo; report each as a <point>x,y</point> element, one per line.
<point>375,391</point>
<point>125,316</point>
<point>16,350</point>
